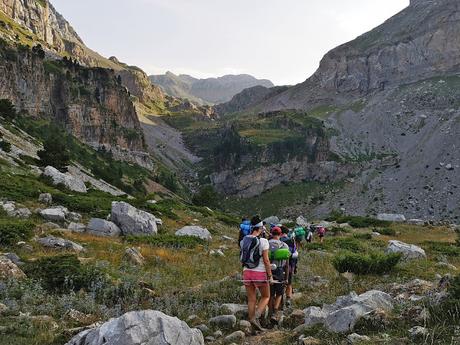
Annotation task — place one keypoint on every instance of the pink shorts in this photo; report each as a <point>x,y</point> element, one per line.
<point>254,278</point>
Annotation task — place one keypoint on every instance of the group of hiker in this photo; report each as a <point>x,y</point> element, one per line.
<point>269,256</point>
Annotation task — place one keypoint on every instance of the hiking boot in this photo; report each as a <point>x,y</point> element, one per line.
<point>256,325</point>
<point>288,303</point>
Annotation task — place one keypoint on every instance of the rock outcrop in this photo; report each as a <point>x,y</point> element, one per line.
<point>141,327</point>
<point>133,221</point>
<point>67,180</point>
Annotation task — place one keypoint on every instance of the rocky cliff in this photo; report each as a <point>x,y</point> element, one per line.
<point>207,91</point>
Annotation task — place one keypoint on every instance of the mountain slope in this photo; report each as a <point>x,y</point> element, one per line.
<point>206,91</point>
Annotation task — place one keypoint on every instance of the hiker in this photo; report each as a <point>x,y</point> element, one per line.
<point>321,230</point>
<point>310,234</point>
<point>279,258</point>
<point>245,229</point>
<point>257,273</point>
<point>299,235</point>
<point>288,237</point>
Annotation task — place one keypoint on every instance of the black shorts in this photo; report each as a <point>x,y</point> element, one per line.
<point>277,289</point>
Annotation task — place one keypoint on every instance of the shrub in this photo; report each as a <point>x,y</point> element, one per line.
<point>168,240</point>
<point>64,273</point>
<point>358,221</point>
<point>443,248</point>
<point>54,153</point>
<point>13,231</point>
<point>229,220</point>
<point>165,208</point>
<point>386,232</point>
<point>374,263</point>
<point>207,196</point>
<point>365,236</point>
<point>96,203</point>
<point>5,146</point>
<point>7,109</point>
<point>349,243</point>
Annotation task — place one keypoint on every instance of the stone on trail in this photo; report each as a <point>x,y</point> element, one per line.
<point>9,270</point>
<point>141,327</point>
<point>195,231</point>
<point>70,182</point>
<point>236,337</point>
<point>60,243</point>
<point>239,310</point>
<point>103,228</point>
<point>133,221</point>
<point>391,217</point>
<point>408,251</point>
<point>223,322</point>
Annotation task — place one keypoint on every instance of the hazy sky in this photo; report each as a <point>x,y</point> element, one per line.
<point>282,40</point>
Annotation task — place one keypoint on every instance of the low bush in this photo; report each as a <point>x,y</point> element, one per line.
<point>5,146</point>
<point>363,236</point>
<point>65,273</point>
<point>167,240</point>
<point>386,232</point>
<point>95,203</point>
<point>373,263</point>
<point>357,221</point>
<point>229,220</point>
<point>442,248</point>
<point>165,208</point>
<point>349,243</point>
<point>207,196</point>
<point>13,231</point>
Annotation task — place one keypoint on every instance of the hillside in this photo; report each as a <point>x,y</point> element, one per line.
<point>206,91</point>
<point>389,100</point>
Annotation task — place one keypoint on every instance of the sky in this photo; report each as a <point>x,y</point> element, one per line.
<point>280,40</point>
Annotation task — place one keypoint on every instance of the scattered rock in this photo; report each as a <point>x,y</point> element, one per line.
<point>134,256</point>
<point>418,332</point>
<point>45,198</point>
<point>245,326</point>
<point>239,310</point>
<point>203,328</point>
<point>446,265</point>
<point>391,217</point>
<point>356,338</point>
<point>55,214</point>
<point>103,228</point>
<point>209,339</point>
<point>77,316</point>
<point>376,234</point>
<point>236,337</point>
<point>309,341</point>
<point>14,258</point>
<point>9,270</point>
<point>10,208</point>
<point>73,217</point>
<point>301,221</point>
<point>76,227</point>
<point>3,308</point>
<point>408,251</point>
<point>272,220</point>
<point>295,319</point>
<point>223,322</point>
<point>314,316</point>
<point>133,221</point>
<point>195,231</point>
<point>419,222</point>
<point>417,313</point>
<point>60,243</point>
<point>152,202</point>
<point>228,238</point>
<point>49,226</point>
<point>141,327</point>
<point>69,181</point>
<point>217,334</point>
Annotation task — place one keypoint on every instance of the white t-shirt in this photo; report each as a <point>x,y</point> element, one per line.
<point>264,245</point>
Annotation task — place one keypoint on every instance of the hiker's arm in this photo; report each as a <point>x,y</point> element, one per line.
<point>268,268</point>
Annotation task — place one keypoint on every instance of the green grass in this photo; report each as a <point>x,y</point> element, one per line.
<point>167,240</point>
<point>374,263</point>
<point>13,231</point>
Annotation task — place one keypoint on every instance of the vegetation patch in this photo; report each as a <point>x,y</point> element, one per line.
<point>167,240</point>
<point>13,231</point>
<point>358,221</point>
<point>373,263</point>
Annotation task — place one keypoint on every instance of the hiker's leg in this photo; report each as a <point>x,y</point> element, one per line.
<point>264,299</point>
<point>277,303</point>
<point>252,301</point>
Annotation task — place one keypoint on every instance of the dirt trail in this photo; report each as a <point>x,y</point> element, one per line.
<point>271,337</point>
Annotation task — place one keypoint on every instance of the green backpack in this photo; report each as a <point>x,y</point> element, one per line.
<point>280,254</point>
<point>300,232</point>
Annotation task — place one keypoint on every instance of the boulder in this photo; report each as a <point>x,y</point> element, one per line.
<point>391,217</point>
<point>133,221</point>
<point>73,217</point>
<point>134,256</point>
<point>272,220</point>
<point>14,258</point>
<point>236,338</point>
<point>45,198</point>
<point>356,338</point>
<point>103,228</point>
<point>60,243</point>
<point>55,214</point>
<point>408,251</point>
<point>76,227</point>
<point>223,322</point>
<point>69,181</point>
<point>10,208</point>
<point>9,270</point>
<point>141,327</point>
<point>301,221</point>
<point>418,332</point>
<point>245,326</point>
<point>195,231</point>
<point>314,316</point>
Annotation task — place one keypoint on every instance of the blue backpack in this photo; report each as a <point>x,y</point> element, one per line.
<point>250,252</point>
<point>245,228</point>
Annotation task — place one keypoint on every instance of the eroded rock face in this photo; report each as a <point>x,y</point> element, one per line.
<point>142,327</point>
<point>133,221</point>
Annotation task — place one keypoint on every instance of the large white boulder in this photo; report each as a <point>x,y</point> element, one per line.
<point>70,182</point>
<point>102,227</point>
<point>408,251</point>
<point>301,221</point>
<point>391,217</point>
<point>141,327</point>
<point>55,214</point>
<point>133,221</point>
<point>195,231</point>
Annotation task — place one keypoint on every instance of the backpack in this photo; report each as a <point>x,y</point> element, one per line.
<point>299,232</point>
<point>321,230</point>
<point>290,241</point>
<point>245,228</point>
<point>250,252</point>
